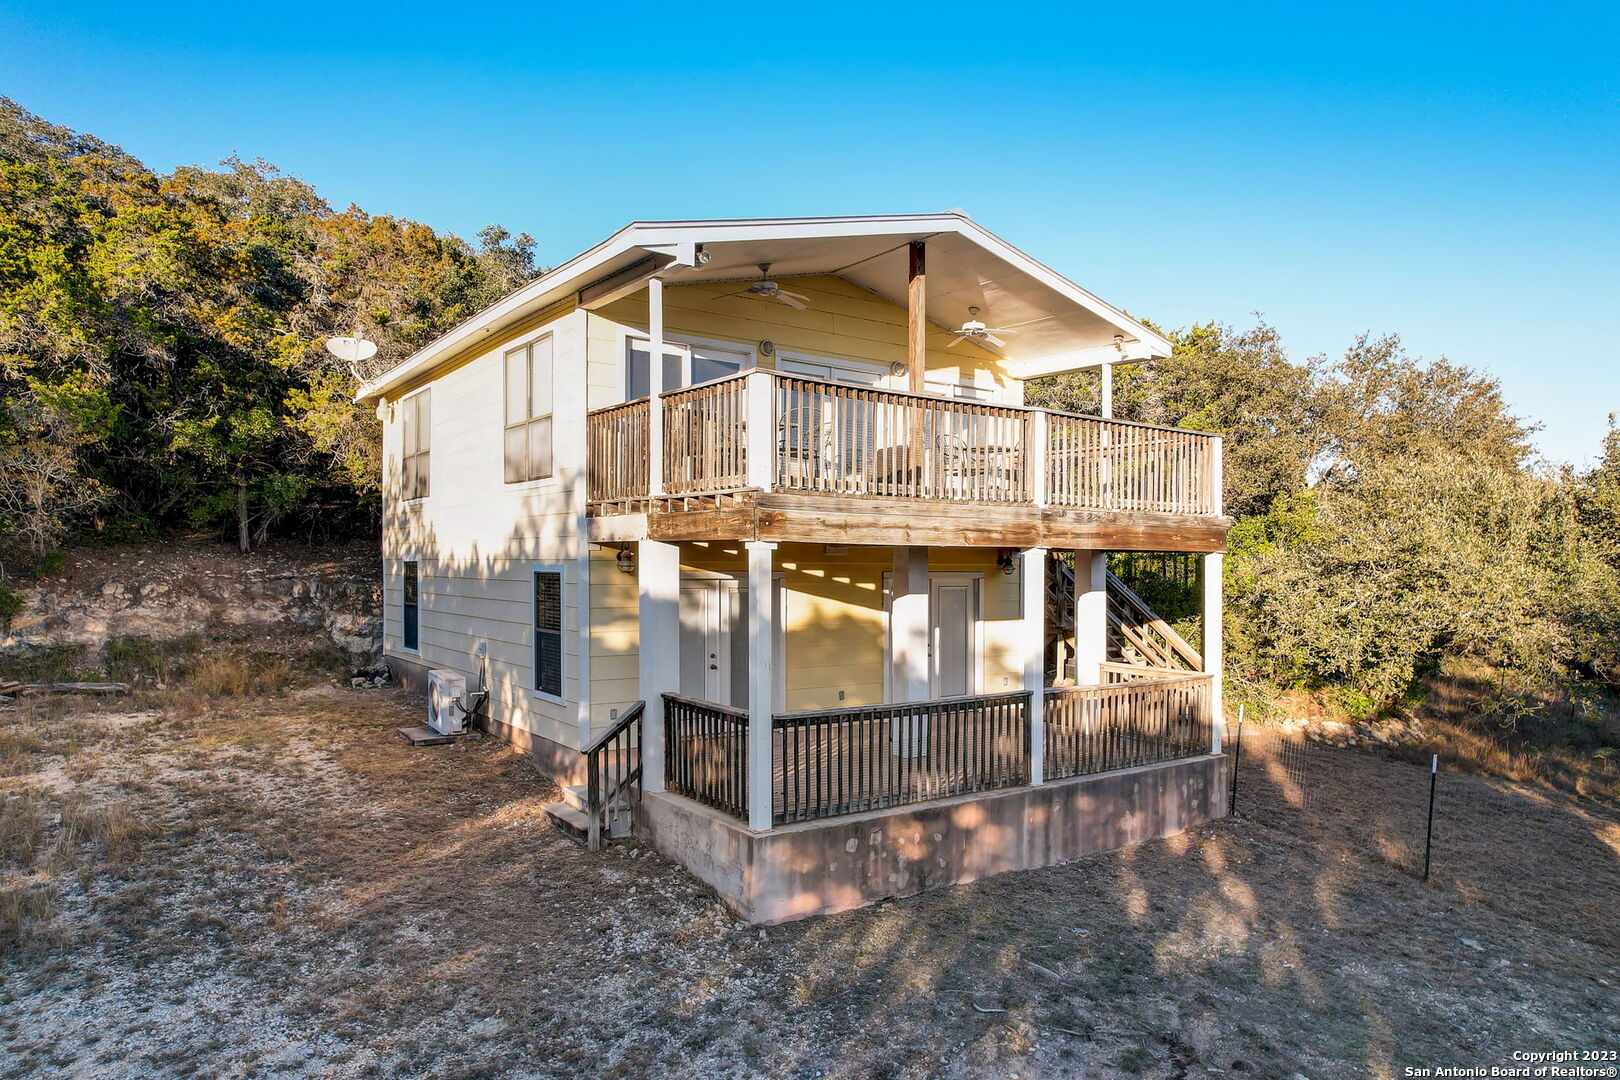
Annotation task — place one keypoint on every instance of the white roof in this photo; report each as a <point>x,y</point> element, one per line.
<point>1061,327</point>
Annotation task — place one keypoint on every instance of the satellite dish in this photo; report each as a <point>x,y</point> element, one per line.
<point>356,350</point>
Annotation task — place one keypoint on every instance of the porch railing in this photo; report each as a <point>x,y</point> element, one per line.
<point>1093,729</point>
<point>852,440</point>
<point>706,753</point>
<point>845,761</point>
<point>764,430</point>
<point>616,465</point>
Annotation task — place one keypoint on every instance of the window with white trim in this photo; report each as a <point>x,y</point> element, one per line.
<point>414,455</point>
<point>410,620</point>
<point>548,647</point>
<point>528,411</point>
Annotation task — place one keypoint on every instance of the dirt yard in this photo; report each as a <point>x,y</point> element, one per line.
<point>282,888</point>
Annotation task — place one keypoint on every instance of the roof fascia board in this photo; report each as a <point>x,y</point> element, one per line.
<point>1097,356</point>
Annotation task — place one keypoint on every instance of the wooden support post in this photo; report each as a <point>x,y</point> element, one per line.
<point>658,580</point>
<point>917,317</point>
<point>656,388</point>
<point>761,683</point>
<point>1214,659</point>
<point>1032,565</point>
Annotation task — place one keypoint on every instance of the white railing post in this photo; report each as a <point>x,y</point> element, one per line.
<point>1217,482</point>
<point>655,387</point>
<point>760,396</point>
<point>761,683</point>
<point>1214,657</point>
<point>1033,568</point>
<point>1039,429</point>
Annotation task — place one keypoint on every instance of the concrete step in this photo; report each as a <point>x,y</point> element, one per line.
<point>577,796</point>
<point>573,823</point>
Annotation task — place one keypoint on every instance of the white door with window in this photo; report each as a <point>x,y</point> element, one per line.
<point>714,641</point>
<point>953,635</point>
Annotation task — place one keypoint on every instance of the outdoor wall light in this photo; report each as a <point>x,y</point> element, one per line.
<point>626,559</point>
<point>1008,563</point>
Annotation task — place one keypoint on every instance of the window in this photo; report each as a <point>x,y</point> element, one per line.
<point>636,384</point>
<point>410,635</point>
<point>548,632</point>
<point>528,412</point>
<point>414,460</point>
<point>684,365</point>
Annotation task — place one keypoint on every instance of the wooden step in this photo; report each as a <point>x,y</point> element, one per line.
<point>573,823</point>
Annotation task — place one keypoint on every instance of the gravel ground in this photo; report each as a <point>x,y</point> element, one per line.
<point>302,895</point>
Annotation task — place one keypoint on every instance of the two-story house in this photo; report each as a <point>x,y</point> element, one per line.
<point>746,524</point>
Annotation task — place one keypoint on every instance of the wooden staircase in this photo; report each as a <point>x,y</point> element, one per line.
<point>604,806</point>
<point>1136,634</point>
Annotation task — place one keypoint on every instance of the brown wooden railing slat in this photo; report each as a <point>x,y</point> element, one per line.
<point>1091,729</point>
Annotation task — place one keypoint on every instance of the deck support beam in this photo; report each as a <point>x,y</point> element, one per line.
<point>1090,616</point>
<point>917,318</point>
<point>658,581</point>
<point>761,682</point>
<point>908,623</point>
<point>1214,655</point>
<point>1032,567</point>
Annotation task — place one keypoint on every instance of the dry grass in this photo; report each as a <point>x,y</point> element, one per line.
<point>311,898</point>
<point>238,676</point>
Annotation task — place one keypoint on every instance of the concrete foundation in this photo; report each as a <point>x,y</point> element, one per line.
<point>814,868</point>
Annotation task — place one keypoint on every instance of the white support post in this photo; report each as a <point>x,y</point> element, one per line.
<point>1105,373</point>
<point>658,580</point>
<point>1214,655</point>
<point>1033,634</point>
<point>655,386</point>
<point>908,623</point>
<point>1090,616</point>
<point>1217,482</point>
<point>761,682</point>
<point>761,422</point>
<point>1039,443</point>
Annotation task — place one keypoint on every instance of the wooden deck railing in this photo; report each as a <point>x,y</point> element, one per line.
<point>705,437</point>
<point>706,753</point>
<point>1093,729</point>
<point>616,467</point>
<point>852,440</point>
<point>845,761</point>
<point>834,439</point>
<point>1097,464</point>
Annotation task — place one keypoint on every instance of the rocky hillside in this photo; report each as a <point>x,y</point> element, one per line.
<point>196,594</point>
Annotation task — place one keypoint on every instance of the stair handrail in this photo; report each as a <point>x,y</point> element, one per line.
<point>1146,616</point>
<point>608,773</point>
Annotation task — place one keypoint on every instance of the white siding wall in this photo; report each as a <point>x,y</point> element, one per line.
<point>477,538</point>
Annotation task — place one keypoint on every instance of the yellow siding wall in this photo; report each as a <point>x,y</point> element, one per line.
<point>836,626</point>
<point>843,322</point>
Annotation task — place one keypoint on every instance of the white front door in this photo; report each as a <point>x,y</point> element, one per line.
<point>714,641</point>
<point>953,625</point>
<point>705,648</point>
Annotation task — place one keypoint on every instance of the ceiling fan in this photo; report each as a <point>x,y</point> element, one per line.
<point>975,330</point>
<point>766,289</point>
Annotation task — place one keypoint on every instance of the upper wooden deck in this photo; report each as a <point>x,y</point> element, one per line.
<point>768,456</point>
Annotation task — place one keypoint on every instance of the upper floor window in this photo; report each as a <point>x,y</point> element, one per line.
<point>414,458</point>
<point>528,412</point>
<point>684,365</point>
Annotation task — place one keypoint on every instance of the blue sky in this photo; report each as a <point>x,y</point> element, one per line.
<point>1445,171</point>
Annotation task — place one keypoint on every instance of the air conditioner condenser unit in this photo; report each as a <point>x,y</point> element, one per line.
<point>447,701</point>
